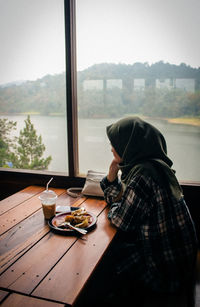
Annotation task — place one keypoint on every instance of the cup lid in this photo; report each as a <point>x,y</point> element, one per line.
<point>48,194</point>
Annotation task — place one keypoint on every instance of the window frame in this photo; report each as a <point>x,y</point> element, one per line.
<point>12,180</point>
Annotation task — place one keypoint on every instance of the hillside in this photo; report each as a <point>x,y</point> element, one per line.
<point>47,95</point>
<point>44,96</point>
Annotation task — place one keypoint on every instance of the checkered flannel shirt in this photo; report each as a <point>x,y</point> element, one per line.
<point>161,244</point>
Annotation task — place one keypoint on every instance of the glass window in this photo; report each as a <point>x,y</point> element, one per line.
<point>32,85</point>
<point>141,58</point>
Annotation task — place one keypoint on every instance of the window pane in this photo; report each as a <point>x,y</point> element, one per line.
<point>141,58</point>
<point>32,82</point>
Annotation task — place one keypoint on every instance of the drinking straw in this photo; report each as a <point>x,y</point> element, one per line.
<point>47,187</point>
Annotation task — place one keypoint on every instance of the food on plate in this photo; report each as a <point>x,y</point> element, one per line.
<point>78,218</point>
<point>69,218</point>
<point>83,224</point>
<point>79,211</point>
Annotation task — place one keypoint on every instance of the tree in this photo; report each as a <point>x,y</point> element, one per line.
<point>3,153</point>
<point>6,142</point>
<point>29,152</point>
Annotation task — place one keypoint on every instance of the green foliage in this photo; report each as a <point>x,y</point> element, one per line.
<point>6,127</point>
<point>24,152</point>
<point>3,153</point>
<point>30,149</point>
<point>151,102</point>
<point>6,142</point>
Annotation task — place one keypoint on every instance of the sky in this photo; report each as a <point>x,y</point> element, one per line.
<point>112,31</point>
<point>31,39</point>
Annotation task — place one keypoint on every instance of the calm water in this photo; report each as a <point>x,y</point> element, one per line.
<point>94,149</point>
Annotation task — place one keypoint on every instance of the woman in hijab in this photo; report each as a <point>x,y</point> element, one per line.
<point>158,246</point>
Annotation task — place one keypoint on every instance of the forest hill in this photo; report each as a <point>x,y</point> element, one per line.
<point>112,90</point>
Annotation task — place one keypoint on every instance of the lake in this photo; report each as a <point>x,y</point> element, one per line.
<point>94,149</point>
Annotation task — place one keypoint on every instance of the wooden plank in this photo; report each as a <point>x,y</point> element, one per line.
<point>3,294</point>
<point>12,217</point>
<point>25,274</point>
<point>18,300</point>
<point>67,200</point>
<point>20,238</point>
<point>19,197</point>
<point>95,205</point>
<point>67,279</point>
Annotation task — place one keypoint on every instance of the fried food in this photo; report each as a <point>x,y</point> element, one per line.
<point>78,218</point>
<point>80,211</point>
<point>69,218</point>
<point>84,224</point>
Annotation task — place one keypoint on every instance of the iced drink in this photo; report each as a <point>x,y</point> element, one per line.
<point>48,200</point>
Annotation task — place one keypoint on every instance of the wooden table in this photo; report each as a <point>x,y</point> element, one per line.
<point>39,267</point>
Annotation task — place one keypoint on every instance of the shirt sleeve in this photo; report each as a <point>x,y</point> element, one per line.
<point>134,206</point>
<point>111,189</point>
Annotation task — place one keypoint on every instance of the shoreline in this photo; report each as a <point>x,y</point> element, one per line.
<point>192,121</point>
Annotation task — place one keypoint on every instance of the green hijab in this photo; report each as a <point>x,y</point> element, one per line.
<point>143,149</point>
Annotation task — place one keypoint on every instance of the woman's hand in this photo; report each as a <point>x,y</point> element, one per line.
<point>114,166</point>
<point>112,175</point>
<point>113,170</point>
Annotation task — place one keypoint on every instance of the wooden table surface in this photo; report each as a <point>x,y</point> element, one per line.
<point>39,267</point>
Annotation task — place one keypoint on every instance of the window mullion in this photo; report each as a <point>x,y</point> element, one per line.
<point>71,87</point>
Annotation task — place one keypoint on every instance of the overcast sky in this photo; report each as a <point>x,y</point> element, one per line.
<point>117,31</point>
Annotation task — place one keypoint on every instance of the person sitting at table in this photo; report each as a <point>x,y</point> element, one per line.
<point>158,244</point>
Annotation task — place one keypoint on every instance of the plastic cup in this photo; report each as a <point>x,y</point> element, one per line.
<point>48,199</point>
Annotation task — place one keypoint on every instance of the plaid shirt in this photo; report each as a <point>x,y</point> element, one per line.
<point>159,240</point>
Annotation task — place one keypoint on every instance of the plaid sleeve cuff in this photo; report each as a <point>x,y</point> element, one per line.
<point>106,183</point>
<point>110,189</point>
